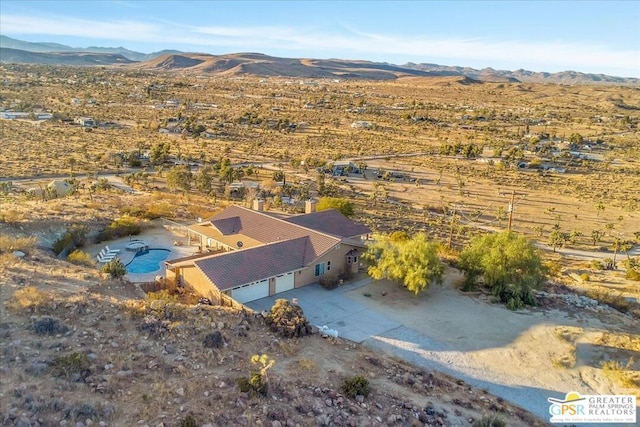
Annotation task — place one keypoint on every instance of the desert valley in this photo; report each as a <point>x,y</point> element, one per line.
<point>482,256</point>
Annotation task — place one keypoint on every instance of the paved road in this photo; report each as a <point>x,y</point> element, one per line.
<point>332,309</point>
<point>348,313</point>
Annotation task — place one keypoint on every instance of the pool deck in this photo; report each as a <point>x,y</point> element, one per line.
<point>156,238</point>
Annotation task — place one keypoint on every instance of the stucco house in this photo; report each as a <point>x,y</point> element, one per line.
<point>250,254</point>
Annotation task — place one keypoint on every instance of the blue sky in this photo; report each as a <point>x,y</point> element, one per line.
<point>588,36</point>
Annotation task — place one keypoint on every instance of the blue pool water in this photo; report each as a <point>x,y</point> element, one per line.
<point>147,262</point>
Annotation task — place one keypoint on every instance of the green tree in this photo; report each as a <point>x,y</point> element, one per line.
<point>509,265</point>
<point>320,182</point>
<point>203,179</point>
<point>344,206</point>
<point>557,239</point>
<point>413,261</point>
<point>576,138</point>
<point>596,236</point>
<point>159,153</point>
<point>179,177</point>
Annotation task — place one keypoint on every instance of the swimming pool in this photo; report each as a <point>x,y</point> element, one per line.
<point>148,261</point>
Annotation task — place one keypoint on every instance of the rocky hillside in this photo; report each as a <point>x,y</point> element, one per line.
<point>80,350</point>
<point>489,74</point>
<point>8,55</point>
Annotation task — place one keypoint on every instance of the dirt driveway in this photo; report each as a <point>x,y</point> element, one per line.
<point>511,354</point>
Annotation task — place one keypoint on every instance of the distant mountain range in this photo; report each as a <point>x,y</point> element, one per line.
<point>18,51</point>
<point>8,42</point>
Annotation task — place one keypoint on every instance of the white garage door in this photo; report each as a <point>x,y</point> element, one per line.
<point>251,292</point>
<point>284,282</point>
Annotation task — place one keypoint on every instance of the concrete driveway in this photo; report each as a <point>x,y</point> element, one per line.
<point>335,310</point>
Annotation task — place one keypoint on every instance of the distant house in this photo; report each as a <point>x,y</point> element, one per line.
<point>15,115</point>
<point>59,188</point>
<point>86,122</point>
<point>255,254</point>
<point>361,124</point>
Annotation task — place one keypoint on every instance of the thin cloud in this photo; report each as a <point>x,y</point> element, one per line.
<point>334,42</point>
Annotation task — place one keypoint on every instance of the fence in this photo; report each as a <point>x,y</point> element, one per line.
<point>175,227</point>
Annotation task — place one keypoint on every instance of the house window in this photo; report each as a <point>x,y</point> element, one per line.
<point>319,269</point>
<point>348,260</point>
<point>355,259</point>
<point>328,265</point>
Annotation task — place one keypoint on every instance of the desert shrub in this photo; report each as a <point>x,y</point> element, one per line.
<point>596,264</point>
<point>153,327</point>
<point>61,243</point>
<point>214,340</point>
<point>10,244</point>
<point>125,226</point>
<point>78,234</point>
<point>513,295</point>
<point>188,421</point>
<point>633,275</point>
<point>114,268</point>
<point>255,384</point>
<point>633,268</point>
<point>468,284</point>
<point>553,267</point>
<point>49,326</point>
<point>12,216</point>
<point>287,320</point>
<point>329,281</point>
<point>355,386</point>
<point>165,295</point>
<point>508,264</point>
<point>489,421</point>
<point>81,258</point>
<point>65,366</point>
<point>346,275</point>
<point>150,211</point>
<point>585,277</point>
<point>29,298</point>
<point>75,236</point>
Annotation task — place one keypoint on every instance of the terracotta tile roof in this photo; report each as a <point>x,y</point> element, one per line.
<point>227,225</point>
<point>330,222</point>
<point>208,230</point>
<point>264,228</point>
<point>237,268</point>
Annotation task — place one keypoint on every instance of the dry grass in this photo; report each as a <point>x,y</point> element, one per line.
<point>32,299</point>
<point>10,243</point>
<point>622,373</point>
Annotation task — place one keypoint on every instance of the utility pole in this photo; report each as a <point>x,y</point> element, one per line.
<point>512,206</point>
<point>453,220</point>
<point>513,196</point>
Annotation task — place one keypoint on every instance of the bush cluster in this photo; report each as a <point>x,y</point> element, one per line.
<point>150,211</point>
<point>329,281</point>
<point>74,237</point>
<point>355,386</point>
<point>49,326</point>
<point>288,320</point>
<point>255,385</point>
<point>214,340</point>
<point>65,366</point>
<point>489,421</point>
<point>122,227</point>
<point>114,268</point>
<point>81,258</point>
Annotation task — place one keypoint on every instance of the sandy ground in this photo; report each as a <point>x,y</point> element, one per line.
<point>512,354</point>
